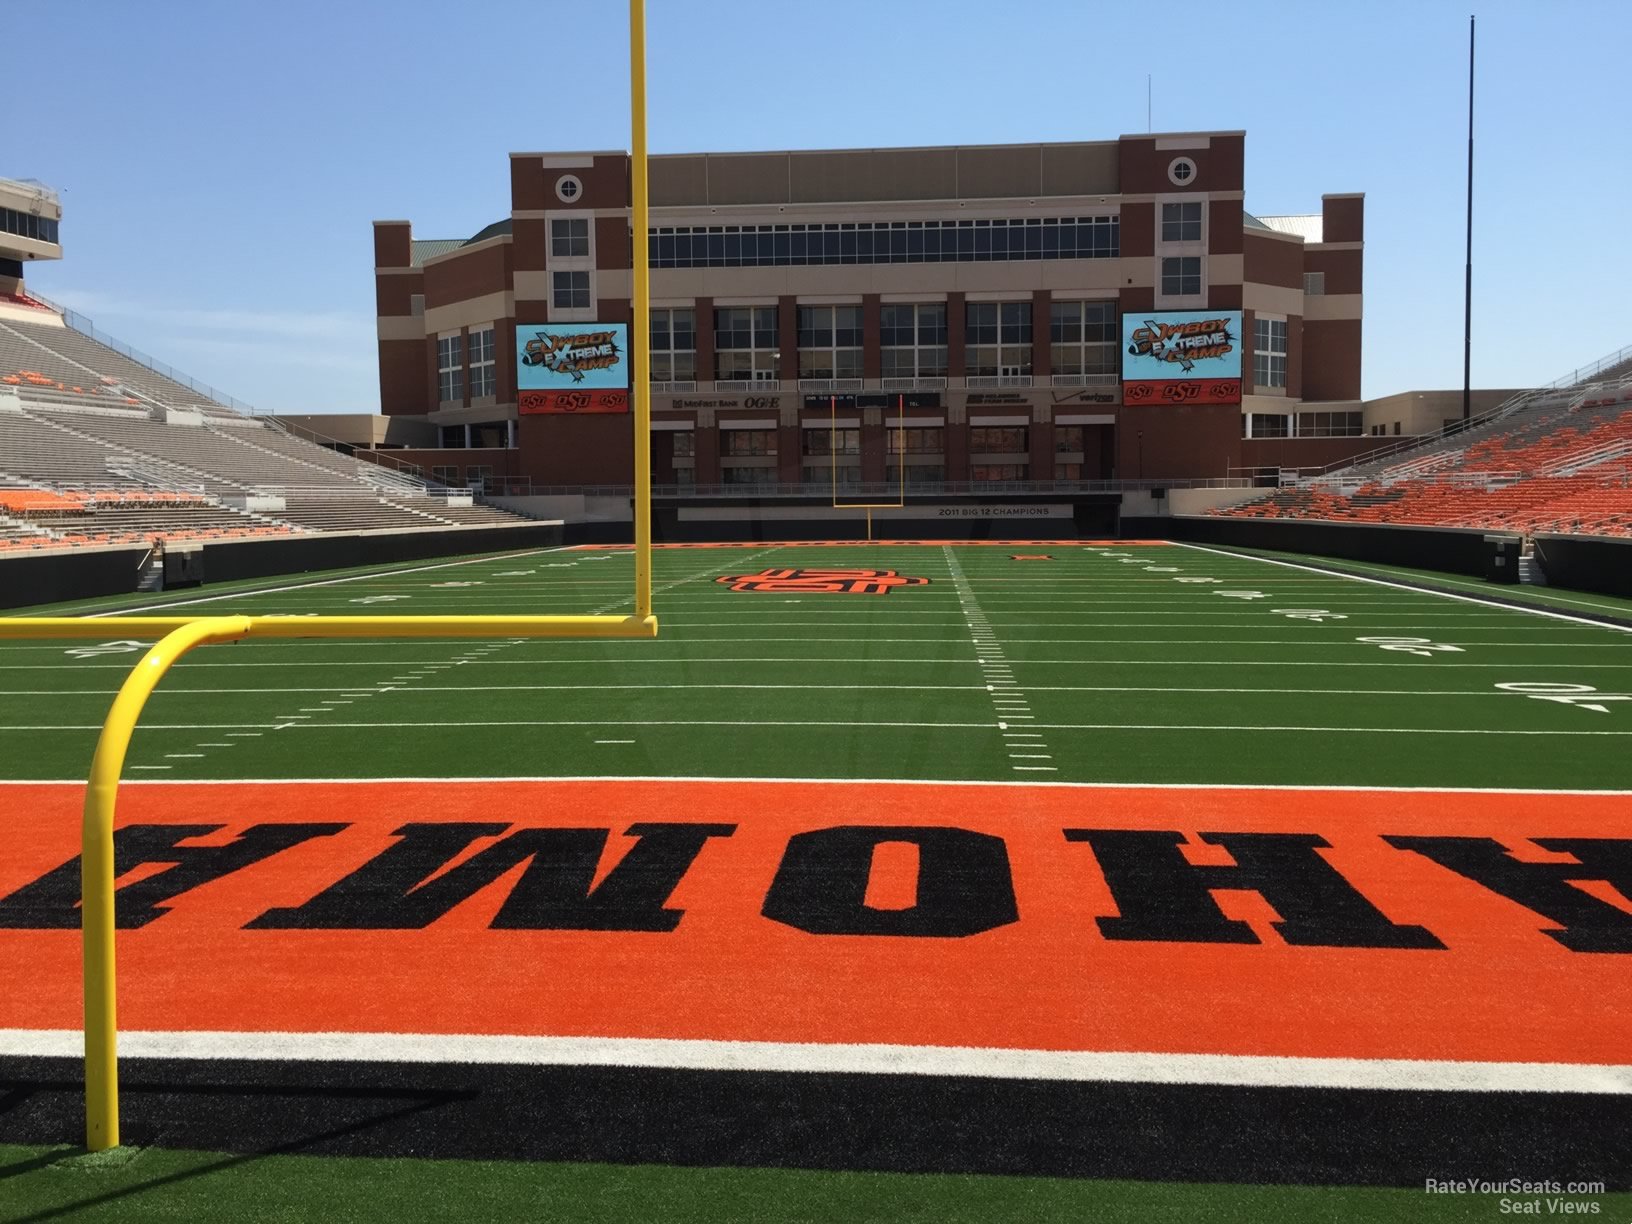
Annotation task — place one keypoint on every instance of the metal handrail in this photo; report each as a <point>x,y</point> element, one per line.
<point>1580,377</point>
<point>86,326</point>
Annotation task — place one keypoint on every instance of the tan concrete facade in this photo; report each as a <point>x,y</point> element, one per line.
<point>1111,195</point>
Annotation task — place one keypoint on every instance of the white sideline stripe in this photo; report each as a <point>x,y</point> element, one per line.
<point>1238,1070</point>
<point>301,586</point>
<point>1553,593</point>
<point>1523,609</point>
<point>1302,788</point>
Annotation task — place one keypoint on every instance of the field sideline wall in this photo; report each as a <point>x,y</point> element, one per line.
<point>55,577</point>
<point>1586,563</point>
<point>264,558</point>
<point>1450,550</point>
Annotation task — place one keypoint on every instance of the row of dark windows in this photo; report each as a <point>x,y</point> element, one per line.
<point>874,242</point>
<point>27,225</point>
<point>916,474</point>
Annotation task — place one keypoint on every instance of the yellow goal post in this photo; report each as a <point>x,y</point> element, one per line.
<point>179,634</point>
<point>900,461</point>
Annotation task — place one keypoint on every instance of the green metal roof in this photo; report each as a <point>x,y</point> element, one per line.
<point>421,249</point>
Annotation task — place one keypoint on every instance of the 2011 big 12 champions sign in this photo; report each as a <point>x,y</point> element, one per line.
<point>572,367</point>
<point>1181,357</point>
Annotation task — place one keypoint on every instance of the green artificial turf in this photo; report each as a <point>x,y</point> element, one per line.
<point>1128,675</point>
<point>158,1185</point>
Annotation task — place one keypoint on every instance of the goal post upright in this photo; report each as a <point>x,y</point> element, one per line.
<point>901,460</point>
<point>640,308</point>
<point>179,635</point>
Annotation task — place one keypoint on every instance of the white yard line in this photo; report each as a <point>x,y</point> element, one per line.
<point>1001,724</point>
<point>1011,702</point>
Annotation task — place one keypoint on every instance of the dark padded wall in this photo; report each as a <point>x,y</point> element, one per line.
<point>1586,563</point>
<point>43,578</point>
<point>1450,550</point>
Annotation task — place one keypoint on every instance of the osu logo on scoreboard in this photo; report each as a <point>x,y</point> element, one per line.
<point>821,581</point>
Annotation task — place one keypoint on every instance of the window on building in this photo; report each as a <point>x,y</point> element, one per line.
<point>447,474</point>
<point>570,290</point>
<point>452,437</point>
<point>1084,340</point>
<point>1181,275</point>
<point>674,345</point>
<point>1068,471</point>
<point>450,369</point>
<point>1314,284</point>
<point>1330,425</point>
<point>1068,439</point>
<point>830,441</point>
<point>1269,352</point>
<point>685,444</point>
<point>416,305</point>
<point>916,440</point>
<point>830,342</point>
<point>685,476</point>
<point>28,225</point>
<point>747,443</point>
<point>999,440</point>
<point>484,377</point>
<point>1271,425</point>
<point>746,348</point>
<point>877,242</point>
<point>569,238</point>
<point>478,476</point>
<point>842,474</point>
<point>913,340</point>
<point>998,339</point>
<point>1181,222</point>
<point>917,474</point>
<point>748,475</point>
<point>999,471</point>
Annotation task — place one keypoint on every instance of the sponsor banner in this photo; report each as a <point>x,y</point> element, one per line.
<point>876,399</point>
<point>582,403</point>
<point>754,403</point>
<point>1182,357</point>
<point>1477,926</point>
<point>572,356</point>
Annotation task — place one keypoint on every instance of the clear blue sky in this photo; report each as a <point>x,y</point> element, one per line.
<point>220,164</point>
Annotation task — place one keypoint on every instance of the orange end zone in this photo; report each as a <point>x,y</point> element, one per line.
<point>883,543</point>
<point>788,924</point>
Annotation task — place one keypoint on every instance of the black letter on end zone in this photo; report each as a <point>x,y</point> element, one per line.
<point>1589,924</point>
<point>964,883</point>
<point>52,901</point>
<point>393,891</point>
<point>1163,896</point>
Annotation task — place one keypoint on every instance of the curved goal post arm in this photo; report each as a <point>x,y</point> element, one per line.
<point>180,635</point>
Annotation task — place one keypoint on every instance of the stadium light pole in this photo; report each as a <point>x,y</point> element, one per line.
<point>1467,287</point>
<point>640,309</point>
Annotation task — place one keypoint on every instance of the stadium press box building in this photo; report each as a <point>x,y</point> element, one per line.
<point>1039,312</point>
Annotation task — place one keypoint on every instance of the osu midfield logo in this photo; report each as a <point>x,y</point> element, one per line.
<point>821,581</point>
